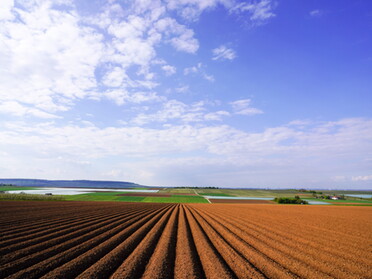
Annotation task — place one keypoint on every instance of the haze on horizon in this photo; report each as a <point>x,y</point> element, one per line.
<point>226,93</point>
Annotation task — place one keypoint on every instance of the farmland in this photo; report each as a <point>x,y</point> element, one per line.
<point>179,195</point>
<point>159,240</point>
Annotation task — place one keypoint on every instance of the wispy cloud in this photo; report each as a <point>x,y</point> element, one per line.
<point>174,111</point>
<point>362,178</point>
<point>316,13</point>
<point>275,152</point>
<point>259,11</point>
<point>243,107</point>
<point>223,53</point>
<point>198,69</point>
<point>169,70</point>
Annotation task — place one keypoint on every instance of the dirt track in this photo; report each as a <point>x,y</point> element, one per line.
<point>138,240</point>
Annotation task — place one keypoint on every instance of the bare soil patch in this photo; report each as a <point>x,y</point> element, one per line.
<point>149,240</point>
<point>144,195</point>
<point>241,201</point>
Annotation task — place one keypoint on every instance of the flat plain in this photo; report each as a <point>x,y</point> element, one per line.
<point>157,240</point>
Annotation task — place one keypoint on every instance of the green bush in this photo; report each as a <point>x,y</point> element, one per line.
<point>295,200</point>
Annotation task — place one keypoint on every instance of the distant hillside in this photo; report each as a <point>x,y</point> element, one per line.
<point>69,183</point>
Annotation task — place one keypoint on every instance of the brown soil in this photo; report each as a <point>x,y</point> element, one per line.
<point>144,240</point>
<point>144,195</point>
<point>161,195</point>
<point>240,201</point>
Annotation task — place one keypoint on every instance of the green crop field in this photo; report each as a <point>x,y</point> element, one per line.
<point>100,196</point>
<point>179,195</point>
<point>30,197</point>
<point>358,201</point>
<point>177,191</point>
<point>249,193</point>
<point>115,197</point>
<point>176,199</point>
<point>16,188</point>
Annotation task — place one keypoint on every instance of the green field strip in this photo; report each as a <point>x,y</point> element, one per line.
<point>342,201</point>
<point>18,188</point>
<point>176,199</point>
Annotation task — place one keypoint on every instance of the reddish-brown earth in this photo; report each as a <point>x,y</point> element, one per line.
<point>142,240</point>
<point>145,195</point>
<point>240,201</point>
<point>160,195</point>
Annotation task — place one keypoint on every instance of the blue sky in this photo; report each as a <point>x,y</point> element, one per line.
<point>202,93</point>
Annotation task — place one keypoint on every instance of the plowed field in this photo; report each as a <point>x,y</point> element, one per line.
<point>142,240</point>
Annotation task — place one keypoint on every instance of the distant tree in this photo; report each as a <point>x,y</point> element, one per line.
<point>290,200</point>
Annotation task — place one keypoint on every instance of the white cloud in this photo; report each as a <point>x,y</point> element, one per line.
<point>285,155</point>
<point>316,13</point>
<point>362,178</point>
<point>223,53</point>
<point>169,70</point>
<point>6,9</point>
<point>193,69</point>
<point>48,59</point>
<point>115,77</point>
<point>121,96</point>
<point>208,77</point>
<point>259,11</point>
<point>198,69</point>
<point>191,9</point>
<point>243,107</point>
<point>180,37</point>
<point>216,116</point>
<point>182,89</point>
<point>52,57</point>
<point>173,110</point>
<point>16,109</point>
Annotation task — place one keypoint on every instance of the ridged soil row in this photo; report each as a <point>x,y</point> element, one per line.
<point>212,262</point>
<point>313,228</point>
<point>41,228</point>
<point>264,257</point>
<point>187,263</point>
<point>302,234</point>
<point>134,265</point>
<point>31,222</point>
<point>39,216</point>
<point>110,251</point>
<point>51,218</point>
<point>293,258</point>
<point>346,264</point>
<point>161,263</point>
<point>19,250</point>
<point>266,265</point>
<point>45,260</point>
<point>59,228</point>
<point>240,265</point>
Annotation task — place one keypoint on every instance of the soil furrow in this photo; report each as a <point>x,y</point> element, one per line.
<point>161,264</point>
<point>52,241</point>
<point>108,251</point>
<point>187,263</point>
<point>134,265</point>
<point>213,264</point>
<point>78,246</point>
<point>294,248</point>
<point>33,235</point>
